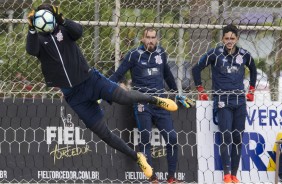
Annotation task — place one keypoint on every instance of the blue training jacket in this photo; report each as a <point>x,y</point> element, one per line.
<point>228,71</point>
<point>148,70</point>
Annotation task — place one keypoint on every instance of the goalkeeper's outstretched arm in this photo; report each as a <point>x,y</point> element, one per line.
<point>32,43</point>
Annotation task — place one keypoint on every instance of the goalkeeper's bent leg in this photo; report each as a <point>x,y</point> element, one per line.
<point>123,97</point>
<point>103,132</point>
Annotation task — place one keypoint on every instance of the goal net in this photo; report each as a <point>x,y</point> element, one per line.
<point>187,29</point>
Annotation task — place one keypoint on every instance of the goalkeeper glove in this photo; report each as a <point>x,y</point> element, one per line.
<point>30,18</point>
<point>59,16</point>
<point>185,101</point>
<point>250,95</point>
<point>201,95</point>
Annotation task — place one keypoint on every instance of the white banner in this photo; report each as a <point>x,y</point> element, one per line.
<point>263,128</point>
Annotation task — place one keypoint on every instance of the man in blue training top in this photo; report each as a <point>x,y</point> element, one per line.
<point>63,65</point>
<point>149,69</point>
<point>228,70</point>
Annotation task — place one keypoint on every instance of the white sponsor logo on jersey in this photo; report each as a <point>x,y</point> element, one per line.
<point>59,36</point>
<point>158,59</point>
<point>143,62</point>
<point>239,59</point>
<point>140,107</point>
<point>221,104</point>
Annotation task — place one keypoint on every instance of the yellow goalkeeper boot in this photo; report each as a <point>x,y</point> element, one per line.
<point>166,104</point>
<point>143,164</point>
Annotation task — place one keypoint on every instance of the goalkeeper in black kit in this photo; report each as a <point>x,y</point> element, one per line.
<point>64,66</point>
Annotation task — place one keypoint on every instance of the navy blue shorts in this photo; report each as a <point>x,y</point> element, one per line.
<point>232,118</point>
<point>83,97</point>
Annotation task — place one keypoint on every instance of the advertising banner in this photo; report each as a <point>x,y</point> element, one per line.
<point>45,141</point>
<point>263,128</point>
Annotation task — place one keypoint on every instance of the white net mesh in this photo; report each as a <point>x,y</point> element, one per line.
<point>187,30</point>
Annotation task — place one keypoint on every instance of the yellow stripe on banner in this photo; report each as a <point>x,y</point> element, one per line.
<point>271,165</point>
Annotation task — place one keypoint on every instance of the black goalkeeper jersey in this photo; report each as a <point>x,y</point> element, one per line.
<point>62,62</point>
